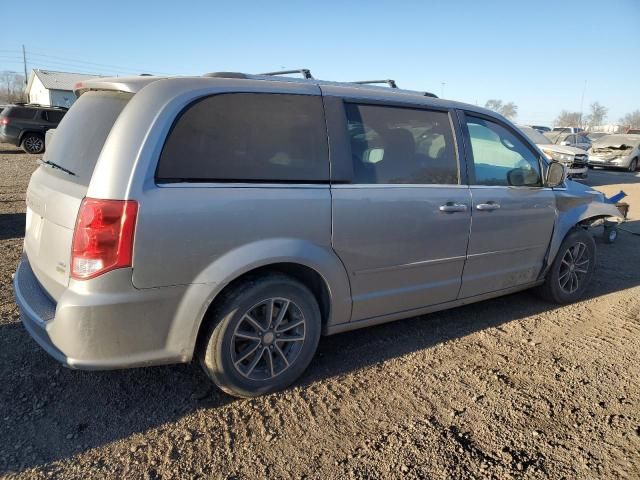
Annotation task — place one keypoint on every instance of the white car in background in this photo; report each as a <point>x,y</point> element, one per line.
<point>575,159</point>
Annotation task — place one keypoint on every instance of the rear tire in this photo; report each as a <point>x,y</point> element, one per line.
<point>33,143</point>
<point>572,269</point>
<point>262,336</point>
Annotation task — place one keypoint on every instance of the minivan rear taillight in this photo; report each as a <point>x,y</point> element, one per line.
<point>4,121</point>
<point>103,237</point>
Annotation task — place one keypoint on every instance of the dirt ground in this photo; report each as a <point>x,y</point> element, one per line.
<point>508,388</point>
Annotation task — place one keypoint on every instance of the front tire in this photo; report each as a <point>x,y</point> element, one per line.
<point>33,143</point>
<point>262,336</point>
<point>633,166</point>
<point>572,269</point>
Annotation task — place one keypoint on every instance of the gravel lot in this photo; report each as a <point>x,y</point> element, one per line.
<point>509,388</point>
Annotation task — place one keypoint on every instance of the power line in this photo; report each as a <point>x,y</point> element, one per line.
<point>41,53</point>
<point>54,65</point>
<point>59,66</point>
<point>66,62</point>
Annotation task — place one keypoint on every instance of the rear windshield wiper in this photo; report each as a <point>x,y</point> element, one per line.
<point>55,165</point>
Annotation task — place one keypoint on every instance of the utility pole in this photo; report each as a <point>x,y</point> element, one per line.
<point>442,84</point>
<point>582,102</point>
<point>24,60</point>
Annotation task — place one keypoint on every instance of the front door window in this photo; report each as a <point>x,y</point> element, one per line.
<point>499,157</point>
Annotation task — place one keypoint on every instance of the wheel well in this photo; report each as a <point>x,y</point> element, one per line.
<point>27,132</point>
<point>305,275</point>
<point>589,222</point>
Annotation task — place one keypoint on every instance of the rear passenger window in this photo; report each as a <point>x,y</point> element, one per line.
<point>54,116</point>
<point>391,145</point>
<point>248,137</point>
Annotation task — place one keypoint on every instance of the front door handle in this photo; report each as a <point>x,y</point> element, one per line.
<point>488,207</point>
<point>450,207</point>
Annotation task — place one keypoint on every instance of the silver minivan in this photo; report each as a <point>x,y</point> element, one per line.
<point>236,218</point>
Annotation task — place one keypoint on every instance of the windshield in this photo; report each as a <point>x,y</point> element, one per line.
<point>556,137</point>
<point>535,136</point>
<point>78,140</point>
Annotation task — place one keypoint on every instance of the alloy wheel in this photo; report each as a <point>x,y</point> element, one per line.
<point>33,144</point>
<point>574,268</point>
<point>268,339</point>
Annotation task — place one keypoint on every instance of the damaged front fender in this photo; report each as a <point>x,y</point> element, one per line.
<point>578,204</point>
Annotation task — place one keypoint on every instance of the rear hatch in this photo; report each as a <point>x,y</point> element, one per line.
<point>58,186</point>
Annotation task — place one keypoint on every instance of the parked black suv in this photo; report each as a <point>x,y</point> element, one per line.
<point>25,125</point>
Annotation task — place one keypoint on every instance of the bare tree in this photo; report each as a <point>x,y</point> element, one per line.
<point>597,115</point>
<point>493,104</point>
<point>632,119</point>
<point>11,87</point>
<point>568,119</point>
<point>509,110</point>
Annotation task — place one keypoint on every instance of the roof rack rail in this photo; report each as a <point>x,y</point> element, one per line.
<point>305,72</point>
<point>388,81</point>
<point>392,83</point>
<point>38,105</point>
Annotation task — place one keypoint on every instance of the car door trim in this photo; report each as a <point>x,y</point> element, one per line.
<point>410,265</point>
<point>350,186</point>
<point>508,250</point>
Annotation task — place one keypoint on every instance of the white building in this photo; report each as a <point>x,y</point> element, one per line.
<point>47,87</point>
<point>610,128</point>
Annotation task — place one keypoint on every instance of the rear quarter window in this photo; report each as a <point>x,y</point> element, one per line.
<point>22,113</point>
<point>251,137</point>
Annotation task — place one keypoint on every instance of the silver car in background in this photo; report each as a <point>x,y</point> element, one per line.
<point>566,139</point>
<point>236,218</point>
<point>618,151</point>
<point>575,159</point>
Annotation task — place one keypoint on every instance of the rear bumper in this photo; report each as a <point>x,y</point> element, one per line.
<point>4,138</point>
<point>36,308</point>
<point>100,331</point>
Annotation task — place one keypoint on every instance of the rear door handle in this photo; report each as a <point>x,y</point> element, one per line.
<point>450,207</point>
<point>487,207</point>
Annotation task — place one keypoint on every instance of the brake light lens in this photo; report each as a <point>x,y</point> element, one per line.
<point>103,237</point>
<point>4,121</point>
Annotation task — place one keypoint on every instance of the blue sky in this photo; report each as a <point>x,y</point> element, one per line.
<point>537,54</point>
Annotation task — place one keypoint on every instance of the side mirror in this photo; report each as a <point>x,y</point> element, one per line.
<point>556,174</point>
<point>517,177</point>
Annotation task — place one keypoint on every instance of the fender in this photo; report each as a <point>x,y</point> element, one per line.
<point>574,205</point>
<point>245,258</point>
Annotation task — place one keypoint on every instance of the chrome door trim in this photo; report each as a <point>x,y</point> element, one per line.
<point>350,186</point>
<point>509,250</point>
<point>410,265</point>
